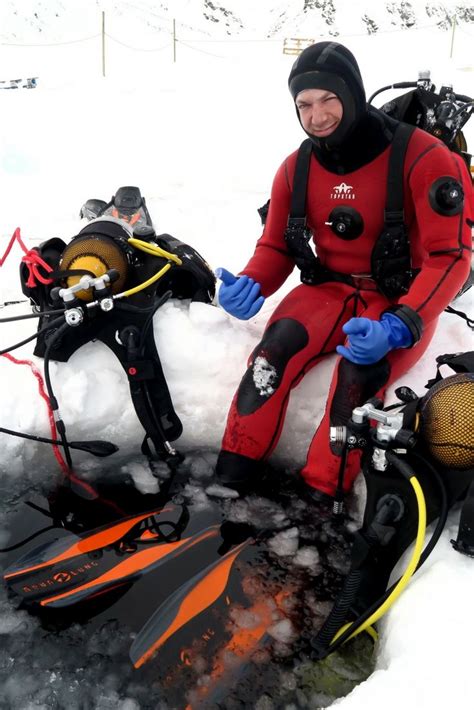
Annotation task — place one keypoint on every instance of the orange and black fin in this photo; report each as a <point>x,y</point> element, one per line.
<point>76,568</point>
<point>185,604</point>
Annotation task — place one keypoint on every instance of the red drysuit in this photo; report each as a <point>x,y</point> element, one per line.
<point>307,324</point>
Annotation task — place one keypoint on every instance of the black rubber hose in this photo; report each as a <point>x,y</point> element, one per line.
<point>53,324</point>
<point>6,304</point>
<point>152,414</point>
<point>96,448</point>
<point>462,97</point>
<point>160,302</point>
<point>339,495</point>
<point>128,307</point>
<point>54,403</point>
<point>338,615</point>
<point>31,315</point>
<point>399,85</point>
<point>27,539</point>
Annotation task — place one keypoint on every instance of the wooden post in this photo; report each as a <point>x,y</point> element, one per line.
<point>103,43</point>
<point>452,37</point>
<point>174,40</point>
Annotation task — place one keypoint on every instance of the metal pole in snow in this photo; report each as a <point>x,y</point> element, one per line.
<point>452,37</point>
<point>174,40</point>
<point>103,43</point>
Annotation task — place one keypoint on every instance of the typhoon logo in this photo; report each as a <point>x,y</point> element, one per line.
<point>342,190</point>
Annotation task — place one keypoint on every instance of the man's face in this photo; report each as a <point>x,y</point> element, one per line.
<point>320,111</point>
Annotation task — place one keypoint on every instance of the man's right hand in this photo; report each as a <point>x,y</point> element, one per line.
<point>239,295</point>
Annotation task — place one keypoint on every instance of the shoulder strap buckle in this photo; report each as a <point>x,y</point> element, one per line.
<point>394,216</point>
<point>296,221</point>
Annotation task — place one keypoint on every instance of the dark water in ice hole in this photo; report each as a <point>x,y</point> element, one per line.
<point>80,661</point>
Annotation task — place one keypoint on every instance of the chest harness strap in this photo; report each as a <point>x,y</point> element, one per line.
<point>390,258</point>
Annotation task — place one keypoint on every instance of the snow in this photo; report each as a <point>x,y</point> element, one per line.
<point>202,138</point>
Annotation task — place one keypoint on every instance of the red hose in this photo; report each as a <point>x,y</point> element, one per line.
<point>32,260</point>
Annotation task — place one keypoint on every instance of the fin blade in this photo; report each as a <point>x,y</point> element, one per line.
<point>187,602</point>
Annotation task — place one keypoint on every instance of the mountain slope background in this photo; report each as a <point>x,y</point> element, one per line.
<point>271,19</point>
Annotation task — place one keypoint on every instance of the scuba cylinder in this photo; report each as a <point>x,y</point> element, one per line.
<point>418,461</point>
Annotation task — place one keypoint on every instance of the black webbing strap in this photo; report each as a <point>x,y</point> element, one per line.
<point>461,314</point>
<point>464,542</point>
<point>391,266</point>
<point>459,362</point>
<point>394,199</point>
<point>300,181</point>
<point>297,235</point>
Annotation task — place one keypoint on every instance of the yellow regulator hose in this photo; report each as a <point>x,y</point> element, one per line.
<point>407,575</point>
<point>153,250</point>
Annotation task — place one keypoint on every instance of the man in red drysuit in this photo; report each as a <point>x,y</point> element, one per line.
<point>368,297</point>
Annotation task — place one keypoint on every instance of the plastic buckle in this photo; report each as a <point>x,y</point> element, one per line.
<point>296,222</point>
<point>394,217</point>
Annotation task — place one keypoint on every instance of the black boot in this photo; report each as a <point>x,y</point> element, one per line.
<point>316,499</point>
<point>237,471</point>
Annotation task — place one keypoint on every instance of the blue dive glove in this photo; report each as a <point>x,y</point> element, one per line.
<point>239,295</point>
<point>369,340</point>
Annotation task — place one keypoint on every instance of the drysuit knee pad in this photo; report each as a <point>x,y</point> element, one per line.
<point>281,341</point>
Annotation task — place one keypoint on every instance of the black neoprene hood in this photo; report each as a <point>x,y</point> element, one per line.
<point>332,67</point>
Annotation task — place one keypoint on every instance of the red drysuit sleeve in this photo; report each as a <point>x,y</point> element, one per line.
<point>271,264</point>
<point>442,244</point>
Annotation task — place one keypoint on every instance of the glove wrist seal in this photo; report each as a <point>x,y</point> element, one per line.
<point>410,318</point>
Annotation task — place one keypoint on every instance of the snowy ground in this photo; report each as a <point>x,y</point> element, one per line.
<point>202,139</point>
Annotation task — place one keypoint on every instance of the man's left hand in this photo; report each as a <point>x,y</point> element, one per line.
<point>370,340</point>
